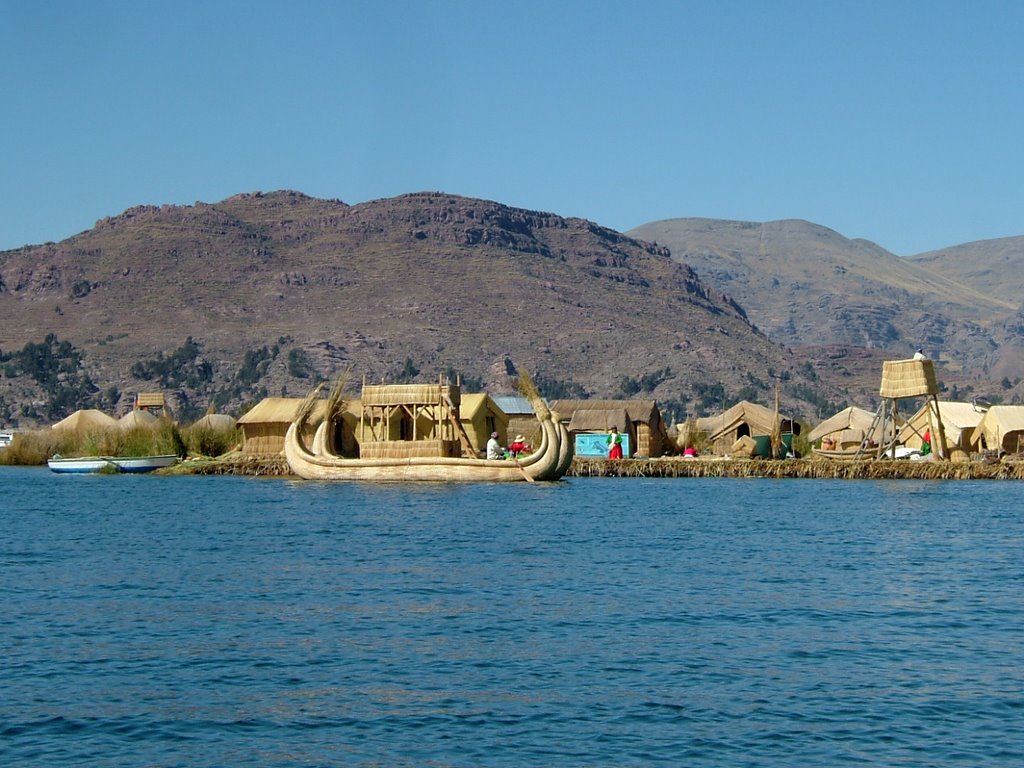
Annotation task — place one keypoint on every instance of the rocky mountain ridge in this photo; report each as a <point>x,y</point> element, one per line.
<point>266,293</point>
<point>806,286</point>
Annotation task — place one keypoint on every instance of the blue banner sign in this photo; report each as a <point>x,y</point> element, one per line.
<point>596,444</point>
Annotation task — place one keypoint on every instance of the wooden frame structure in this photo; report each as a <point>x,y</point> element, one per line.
<point>902,379</point>
<point>407,420</point>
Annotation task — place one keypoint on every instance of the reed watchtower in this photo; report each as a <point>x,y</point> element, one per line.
<point>903,379</point>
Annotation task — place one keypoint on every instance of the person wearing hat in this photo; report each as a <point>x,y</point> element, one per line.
<point>494,449</point>
<point>518,445</point>
<point>919,355</point>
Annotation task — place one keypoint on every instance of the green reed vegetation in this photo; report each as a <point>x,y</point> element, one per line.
<point>165,437</point>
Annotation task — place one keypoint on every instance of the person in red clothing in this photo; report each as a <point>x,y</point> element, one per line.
<point>614,444</point>
<point>518,445</point>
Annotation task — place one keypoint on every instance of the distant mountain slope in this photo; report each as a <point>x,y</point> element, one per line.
<point>403,287</point>
<point>806,285</point>
<point>993,267</point>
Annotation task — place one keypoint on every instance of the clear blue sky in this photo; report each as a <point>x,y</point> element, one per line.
<point>899,122</point>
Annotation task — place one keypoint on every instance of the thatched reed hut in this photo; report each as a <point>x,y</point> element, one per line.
<point>589,430</point>
<point>638,421</point>
<point>480,415</point>
<point>405,420</point>
<point>264,427</point>
<point>745,419</point>
<point>959,421</point>
<point>1001,429</point>
<point>137,419</point>
<point>215,421</point>
<point>410,419</point>
<point>86,420</point>
<point>150,401</point>
<point>847,431</point>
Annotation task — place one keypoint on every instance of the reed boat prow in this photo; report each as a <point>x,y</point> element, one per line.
<point>404,460</point>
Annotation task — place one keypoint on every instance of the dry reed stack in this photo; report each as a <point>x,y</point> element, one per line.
<point>818,469</point>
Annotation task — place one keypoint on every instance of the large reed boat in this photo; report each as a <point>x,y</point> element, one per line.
<point>413,432</point>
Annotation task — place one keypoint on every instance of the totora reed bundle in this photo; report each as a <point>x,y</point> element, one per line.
<point>817,469</point>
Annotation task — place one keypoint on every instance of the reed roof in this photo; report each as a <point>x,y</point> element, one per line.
<point>473,404</point>
<point>87,418</point>
<point>407,394</point>
<point>137,418</point>
<point>644,411</point>
<point>150,400</point>
<point>908,378</point>
<point>281,410</point>
<point>215,421</point>
<point>599,420</point>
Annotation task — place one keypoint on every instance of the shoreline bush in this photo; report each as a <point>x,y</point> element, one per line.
<point>36,447</point>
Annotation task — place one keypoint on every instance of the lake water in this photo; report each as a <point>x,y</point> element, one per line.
<point>217,621</point>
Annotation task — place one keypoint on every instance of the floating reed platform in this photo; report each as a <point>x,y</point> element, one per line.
<point>249,466</point>
<point>820,469</point>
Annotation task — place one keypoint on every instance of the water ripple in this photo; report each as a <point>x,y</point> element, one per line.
<point>222,621</point>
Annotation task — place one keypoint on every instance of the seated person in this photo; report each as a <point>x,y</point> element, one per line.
<point>494,448</point>
<point>518,446</point>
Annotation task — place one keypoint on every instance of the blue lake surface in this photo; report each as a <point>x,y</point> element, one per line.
<point>218,621</point>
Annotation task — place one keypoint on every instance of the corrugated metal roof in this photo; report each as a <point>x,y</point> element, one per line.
<point>513,405</point>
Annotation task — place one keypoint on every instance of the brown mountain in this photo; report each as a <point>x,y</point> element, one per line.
<point>260,293</point>
<point>993,267</point>
<point>808,286</point>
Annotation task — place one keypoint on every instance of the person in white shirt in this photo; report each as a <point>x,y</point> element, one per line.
<point>919,355</point>
<point>494,448</point>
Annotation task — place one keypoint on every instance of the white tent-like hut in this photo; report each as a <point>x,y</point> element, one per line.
<point>846,431</point>
<point>1001,429</point>
<point>745,419</point>
<point>959,421</point>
